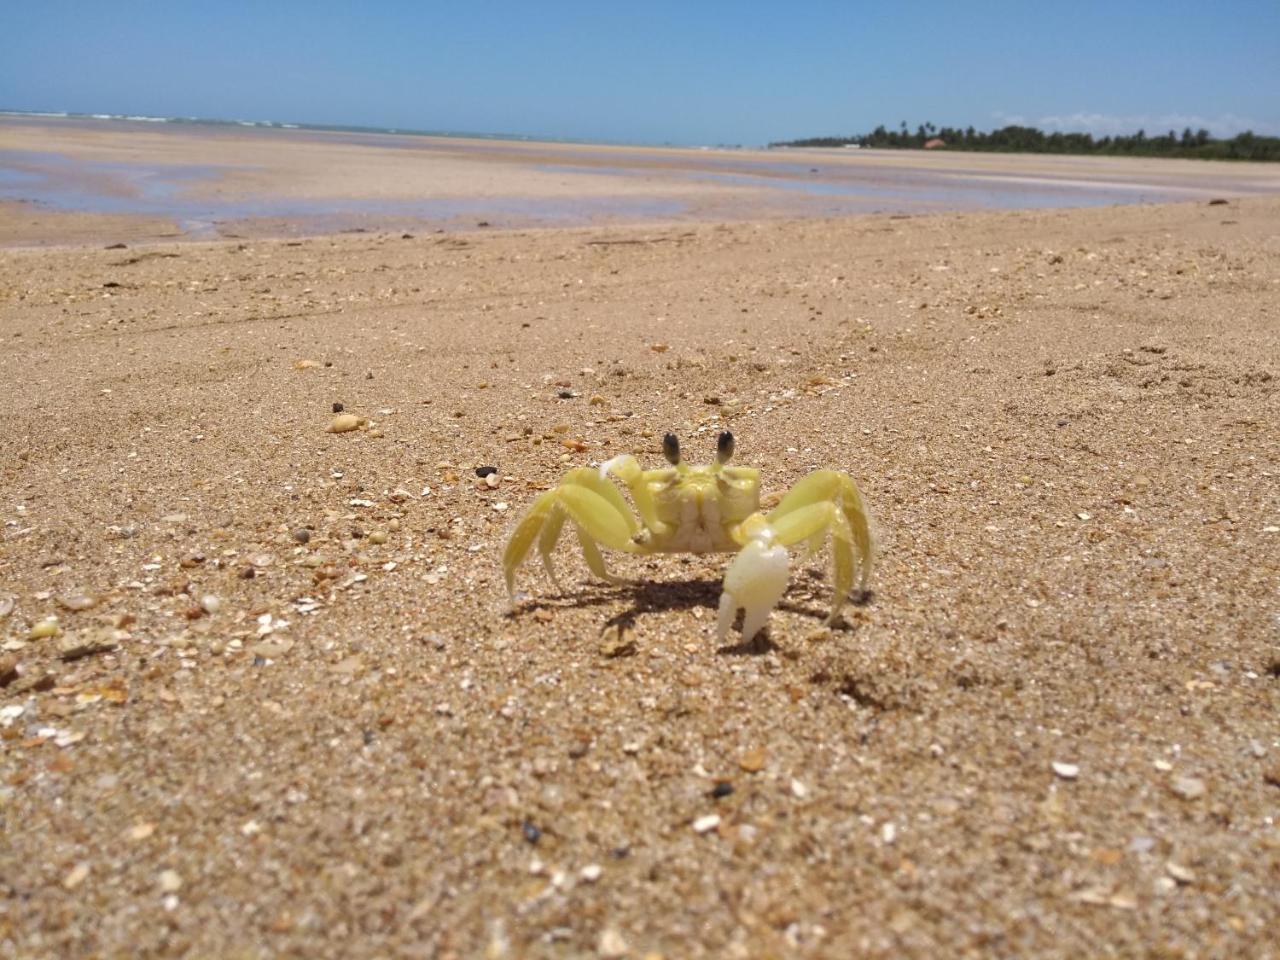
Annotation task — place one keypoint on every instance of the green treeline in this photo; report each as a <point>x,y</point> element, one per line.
<point>1017,139</point>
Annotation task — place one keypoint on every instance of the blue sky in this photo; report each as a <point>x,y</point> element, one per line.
<point>709,72</point>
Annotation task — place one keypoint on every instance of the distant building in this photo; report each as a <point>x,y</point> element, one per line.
<point>935,143</point>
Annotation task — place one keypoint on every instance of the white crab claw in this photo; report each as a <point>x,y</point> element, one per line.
<point>754,583</point>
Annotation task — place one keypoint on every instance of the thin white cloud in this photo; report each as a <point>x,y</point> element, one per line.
<point>1111,124</point>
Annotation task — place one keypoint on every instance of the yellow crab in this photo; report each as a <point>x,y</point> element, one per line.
<point>704,509</point>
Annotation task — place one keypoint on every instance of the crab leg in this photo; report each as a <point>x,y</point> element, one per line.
<point>627,469</point>
<point>598,513</point>
<point>595,562</point>
<point>823,502</point>
<point>835,487</point>
<point>816,520</point>
<point>547,543</point>
<point>594,481</point>
<point>524,535</point>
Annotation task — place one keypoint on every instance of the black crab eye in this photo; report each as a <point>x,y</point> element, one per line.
<point>724,447</point>
<point>671,448</point>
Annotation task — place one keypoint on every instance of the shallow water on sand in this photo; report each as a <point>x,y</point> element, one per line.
<point>64,183</point>
<point>677,184</point>
<point>905,190</point>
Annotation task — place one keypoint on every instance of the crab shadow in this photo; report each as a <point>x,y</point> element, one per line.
<point>693,593</point>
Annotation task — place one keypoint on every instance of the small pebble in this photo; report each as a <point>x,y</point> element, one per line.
<point>706,824</point>
<point>1188,788</point>
<point>612,945</point>
<point>76,877</point>
<point>591,872</point>
<point>1067,771</point>
<point>723,788</point>
<point>210,604</point>
<point>45,628</point>
<point>77,647</point>
<point>378,536</point>
<point>344,423</point>
<point>483,472</point>
<point>1179,872</point>
<point>491,481</point>
<point>77,601</point>
<point>169,881</point>
<point>302,535</point>
<point>531,832</point>
<point>338,408</point>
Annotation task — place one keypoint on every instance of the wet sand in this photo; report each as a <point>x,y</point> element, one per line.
<point>288,716</point>
<point>205,182</point>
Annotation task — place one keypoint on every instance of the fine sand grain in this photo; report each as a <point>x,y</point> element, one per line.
<point>287,716</point>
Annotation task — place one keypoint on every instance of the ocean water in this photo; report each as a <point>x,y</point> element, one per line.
<point>281,125</point>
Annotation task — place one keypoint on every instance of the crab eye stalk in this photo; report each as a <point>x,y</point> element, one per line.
<point>671,449</point>
<point>724,447</point>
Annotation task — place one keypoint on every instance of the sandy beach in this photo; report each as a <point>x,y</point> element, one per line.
<point>286,711</point>
<point>73,180</point>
